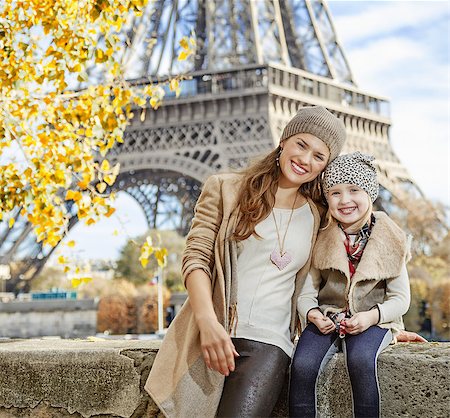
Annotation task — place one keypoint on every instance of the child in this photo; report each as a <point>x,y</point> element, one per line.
<point>356,292</point>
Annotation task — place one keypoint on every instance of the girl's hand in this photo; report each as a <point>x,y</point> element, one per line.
<point>410,337</point>
<point>322,322</point>
<point>360,321</point>
<point>217,348</point>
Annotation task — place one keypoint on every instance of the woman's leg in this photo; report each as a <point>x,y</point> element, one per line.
<point>313,352</point>
<point>361,353</point>
<point>252,390</point>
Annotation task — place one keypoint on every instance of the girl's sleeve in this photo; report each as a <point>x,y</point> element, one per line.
<point>308,297</point>
<point>208,213</point>
<point>398,297</point>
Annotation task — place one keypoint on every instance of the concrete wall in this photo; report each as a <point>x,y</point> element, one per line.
<point>41,378</point>
<point>64,318</point>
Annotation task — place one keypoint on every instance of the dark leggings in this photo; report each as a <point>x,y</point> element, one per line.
<point>252,390</point>
<point>313,352</point>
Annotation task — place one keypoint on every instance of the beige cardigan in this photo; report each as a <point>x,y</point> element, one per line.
<point>179,382</point>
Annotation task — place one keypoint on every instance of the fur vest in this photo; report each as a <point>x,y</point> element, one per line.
<point>384,255</point>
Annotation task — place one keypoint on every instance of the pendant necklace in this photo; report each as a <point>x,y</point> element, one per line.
<point>280,257</point>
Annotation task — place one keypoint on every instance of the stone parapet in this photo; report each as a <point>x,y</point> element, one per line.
<point>49,305</point>
<point>82,378</point>
<point>38,318</point>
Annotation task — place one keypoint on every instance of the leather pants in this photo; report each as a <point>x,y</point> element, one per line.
<point>252,390</point>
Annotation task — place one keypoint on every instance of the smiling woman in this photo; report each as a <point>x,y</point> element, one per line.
<point>246,229</point>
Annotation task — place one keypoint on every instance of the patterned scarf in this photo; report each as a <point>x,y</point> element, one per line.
<point>356,250</point>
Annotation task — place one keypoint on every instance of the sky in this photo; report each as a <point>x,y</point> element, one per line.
<point>396,49</point>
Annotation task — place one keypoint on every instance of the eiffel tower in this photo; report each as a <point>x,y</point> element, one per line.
<point>256,63</point>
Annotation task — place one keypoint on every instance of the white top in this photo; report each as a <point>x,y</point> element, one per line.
<point>264,292</point>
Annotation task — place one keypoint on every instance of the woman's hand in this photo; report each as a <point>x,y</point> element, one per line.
<point>322,322</point>
<point>217,348</point>
<point>360,321</point>
<point>410,337</point>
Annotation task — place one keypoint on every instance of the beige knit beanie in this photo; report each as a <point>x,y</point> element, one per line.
<point>318,121</point>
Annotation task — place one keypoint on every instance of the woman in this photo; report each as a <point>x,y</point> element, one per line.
<point>247,254</point>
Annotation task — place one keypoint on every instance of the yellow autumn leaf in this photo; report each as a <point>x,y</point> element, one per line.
<point>110,212</point>
<point>101,187</point>
<point>71,244</point>
<point>75,282</point>
<point>62,132</point>
<point>11,222</point>
<point>140,101</point>
<point>184,43</point>
<point>144,261</point>
<point>183,55</point>
<point>83,184</point>
<point>174,84</point>
<point>105,165</point>
<point>116,169</point>
<point>100,56</point>
<point>161,257</point>
<point>73,195</point>
<point>109,180</point>
<point>62,259</point>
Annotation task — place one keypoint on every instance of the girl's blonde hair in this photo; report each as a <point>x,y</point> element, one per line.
<point>329,219</point>
<point>257,196</point>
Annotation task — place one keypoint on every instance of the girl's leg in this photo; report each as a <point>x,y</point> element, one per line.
<point>361,353</point>
<point>252,390</point>
<point>313,352</point>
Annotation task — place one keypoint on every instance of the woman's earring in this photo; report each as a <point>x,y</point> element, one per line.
<point>278,156</point>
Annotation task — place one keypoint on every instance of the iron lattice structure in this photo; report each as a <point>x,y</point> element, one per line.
<point>256,63</point>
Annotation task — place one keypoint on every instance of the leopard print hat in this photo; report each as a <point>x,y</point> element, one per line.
<point>355,168</point>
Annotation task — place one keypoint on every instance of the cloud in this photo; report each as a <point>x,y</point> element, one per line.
<point>371,62</point>
<point>398,64</point>
<point>381,18</point>
<point>400,50</point>
<point>420,138</point>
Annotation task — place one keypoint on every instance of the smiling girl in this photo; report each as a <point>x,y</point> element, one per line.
<point>356,293</point>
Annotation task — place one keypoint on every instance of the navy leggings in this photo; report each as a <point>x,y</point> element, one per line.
<point>313,352</point>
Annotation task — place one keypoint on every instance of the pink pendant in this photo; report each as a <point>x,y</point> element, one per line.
<point>281,261</point>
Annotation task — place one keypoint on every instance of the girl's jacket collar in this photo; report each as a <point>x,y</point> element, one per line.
<point>384,255</point>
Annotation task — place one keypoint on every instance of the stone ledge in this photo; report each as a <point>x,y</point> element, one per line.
<point>78,378</point>
<point>49,305</point>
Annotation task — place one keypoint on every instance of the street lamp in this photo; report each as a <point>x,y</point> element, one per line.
<point>5,274</point>
<point>160,301</point>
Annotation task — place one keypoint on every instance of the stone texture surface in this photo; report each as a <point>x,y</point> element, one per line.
<point>74,378</point>
<point>62,378</point>
<point>414,382</point>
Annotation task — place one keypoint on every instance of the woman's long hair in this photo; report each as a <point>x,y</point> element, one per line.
<point>257,196</point>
